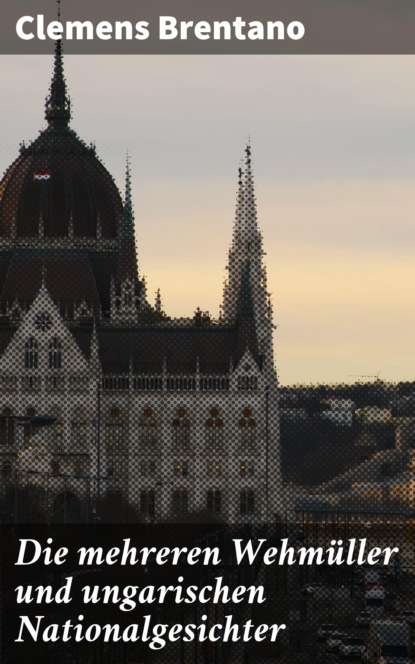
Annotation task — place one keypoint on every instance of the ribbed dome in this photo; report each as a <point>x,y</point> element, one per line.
<point>57,187</point>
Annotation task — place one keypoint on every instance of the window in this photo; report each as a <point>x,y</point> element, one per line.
<point>55,354</point>
<point>148,503</point>
<point>147,430</point>
<point>181,469</point>
<point>247,383</point>
<point>247,430</point>
<point>31,353</point>
<point>180,502</point>
<point>181,430</point>
<point>246,469</point>
<point>214,469</point>
<point>214,501</point>
<point>214,431</point>
<point>246,501</point>
<point>114,436</point>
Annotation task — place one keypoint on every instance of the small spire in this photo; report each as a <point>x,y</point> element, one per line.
<point>127,226</point>
<point>70,226</point>
<point>128,257</point>
<point>158,302</point>
<point>58,105</point>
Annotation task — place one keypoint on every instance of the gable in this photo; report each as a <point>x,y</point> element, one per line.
<point>41,332</point>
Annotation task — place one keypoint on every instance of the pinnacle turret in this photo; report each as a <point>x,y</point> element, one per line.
<point>128,258</point>
<point>58,104</point>
<point>127,225</point>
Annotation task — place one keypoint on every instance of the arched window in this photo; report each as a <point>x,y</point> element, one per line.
<point>31,353</point>
<point>55,354</point>
<point>180,502</point>
<point>114,432</point>
<point>214,501</point>
<point>246,501</point>
<point>247,430</point>
<point>181,430</point>
<point>214,431</point>
<point>148,503</point>
<point>148,430</point>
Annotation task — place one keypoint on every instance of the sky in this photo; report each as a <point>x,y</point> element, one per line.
<point>333,142</point>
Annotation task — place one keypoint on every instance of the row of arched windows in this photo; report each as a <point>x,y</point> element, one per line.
<point>180,502</point>
<point>149,430</point>
<point>31,357</point>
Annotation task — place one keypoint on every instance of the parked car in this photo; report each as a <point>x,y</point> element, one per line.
<point>352,647</point>
<point>334,641</point>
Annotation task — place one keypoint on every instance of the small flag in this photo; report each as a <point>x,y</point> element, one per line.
<point>41,176</point>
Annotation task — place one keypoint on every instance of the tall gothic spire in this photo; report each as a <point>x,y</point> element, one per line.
<point>246,287</point>
<point>246,244</point>
<point>128,258</point>
<point>58,105</point>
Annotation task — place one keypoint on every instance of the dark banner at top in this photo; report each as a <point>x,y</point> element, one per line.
<point>195,27</point>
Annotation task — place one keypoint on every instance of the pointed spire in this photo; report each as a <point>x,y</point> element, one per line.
<point>70,225</point>
<point>128,258</point>
<point>58,105</point>
<point>127,225</point>
<point>157,305</point>
<point>246,246</point>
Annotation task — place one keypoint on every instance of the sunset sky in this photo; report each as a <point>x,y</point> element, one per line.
<point>333,141</point>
